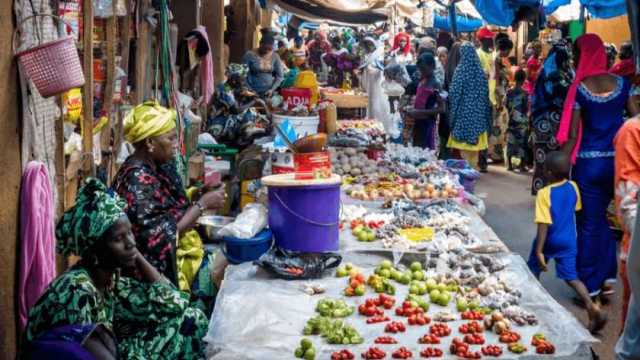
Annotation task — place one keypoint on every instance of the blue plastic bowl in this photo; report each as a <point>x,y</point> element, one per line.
<point>238,251</point>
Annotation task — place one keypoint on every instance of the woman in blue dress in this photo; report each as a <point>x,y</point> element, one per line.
<point>592,116</point>
<point>266,71</point>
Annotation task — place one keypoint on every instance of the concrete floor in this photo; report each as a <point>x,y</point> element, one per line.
<point>510,209</point>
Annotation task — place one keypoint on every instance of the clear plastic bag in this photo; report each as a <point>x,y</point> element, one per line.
<point>246,225</point>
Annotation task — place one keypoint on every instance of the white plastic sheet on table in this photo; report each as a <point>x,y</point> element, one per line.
<point>259,317</point>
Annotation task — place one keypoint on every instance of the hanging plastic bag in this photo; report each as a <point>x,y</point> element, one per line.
<point>392,88</point>
<point>289,131</point>
<point>395,131</point>
<point>104,8</point>
<point>246,225</point>
<point>293,266</point>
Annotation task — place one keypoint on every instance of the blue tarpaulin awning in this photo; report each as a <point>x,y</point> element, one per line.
<point>463,23</point>
<point>502,12</point>
<point>597,8</point>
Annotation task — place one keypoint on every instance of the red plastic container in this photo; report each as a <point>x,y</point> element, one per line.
<point>308,166</point>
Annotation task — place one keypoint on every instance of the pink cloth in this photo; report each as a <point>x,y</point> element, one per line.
<point>37,239</point>
<point>206,69</point>
<point>593,62</point>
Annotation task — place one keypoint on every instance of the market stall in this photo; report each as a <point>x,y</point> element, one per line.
<point>421,274</point>
<point>281,314</point>
<point>351,104</point>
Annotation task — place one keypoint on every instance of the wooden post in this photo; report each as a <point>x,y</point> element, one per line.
<point>213,20</point>
<point>244,20</point>
<point>107,106</point>
<point>142,54</point>
<point>126,44</point>
<point>88,167</point>
<point>11,166</point>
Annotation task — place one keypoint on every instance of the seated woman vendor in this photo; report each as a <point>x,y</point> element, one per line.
<point>150,318</point>
<point>233,120</point>
<point>266,71</point>
<point>161,215</point>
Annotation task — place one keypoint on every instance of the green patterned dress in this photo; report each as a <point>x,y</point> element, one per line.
<point>150,321</point>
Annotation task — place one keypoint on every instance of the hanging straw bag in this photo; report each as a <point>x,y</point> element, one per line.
<point>54,67</point>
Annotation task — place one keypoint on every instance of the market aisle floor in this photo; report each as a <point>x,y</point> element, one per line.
<point>510,214</point>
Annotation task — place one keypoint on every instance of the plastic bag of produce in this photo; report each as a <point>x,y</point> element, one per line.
<point>292,265</point>
<point>246,225</point>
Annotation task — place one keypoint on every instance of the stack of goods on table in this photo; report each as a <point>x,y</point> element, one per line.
<point>407,225</point>
<point>367,133</point>
<point>400,173</point>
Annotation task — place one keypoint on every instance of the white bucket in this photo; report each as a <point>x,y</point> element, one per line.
<point>304,125</point>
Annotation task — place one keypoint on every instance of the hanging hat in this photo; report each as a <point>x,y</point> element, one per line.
<point>485,33</point>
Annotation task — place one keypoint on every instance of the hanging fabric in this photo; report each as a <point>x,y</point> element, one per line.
<point>37,240</point>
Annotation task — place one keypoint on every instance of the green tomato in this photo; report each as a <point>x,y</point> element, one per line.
<point>415,266</point>
<point>396,275</point>
<point>414,289</point>
<point>418,275</point>
<point>422,289</point>
<point>386,264</point>
<point>431,284</point>
<point>299,353</point>
<point>385,273</point>
<point>462,305</point>
<point>341,272</point>
<point>441,287</point>
<point>434,295</point>
<point>348,266</point>
<point>310,354</point>
<point>306,344</point>
<point>424,305</point>
<point>405,279</point>
<point>390,289</point>
<point>371,236</point>
<point>359,291</point>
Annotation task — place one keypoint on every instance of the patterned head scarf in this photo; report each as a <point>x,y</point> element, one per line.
<point>147,120</point>
<point>470,110</point>
<point>95,211</point>
<point>240,70</point>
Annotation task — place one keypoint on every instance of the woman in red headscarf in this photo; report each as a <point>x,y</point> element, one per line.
<point>401,51</point>
<point>593,114</point>
<point>317,48</point>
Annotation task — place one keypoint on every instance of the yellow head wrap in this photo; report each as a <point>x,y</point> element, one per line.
<point>147,120</point>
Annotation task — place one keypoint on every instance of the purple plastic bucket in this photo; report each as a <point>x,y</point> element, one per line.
<point>305,218</point>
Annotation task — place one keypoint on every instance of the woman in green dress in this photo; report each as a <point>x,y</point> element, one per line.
<point>150,319</point>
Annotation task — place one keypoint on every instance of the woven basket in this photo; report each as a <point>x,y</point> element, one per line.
<point>54,67</point>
